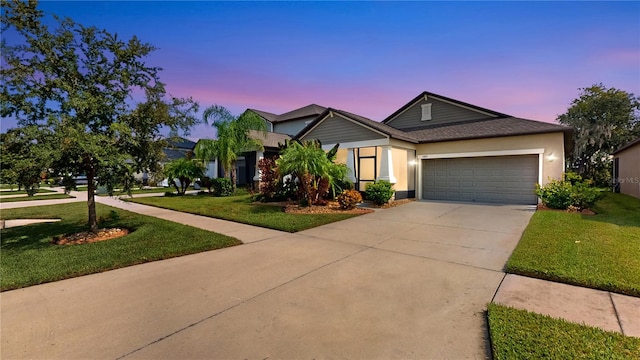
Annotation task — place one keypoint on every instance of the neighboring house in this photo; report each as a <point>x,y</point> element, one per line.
<point>626,169</point>
<point>177,148</point>
<point>437,148</point>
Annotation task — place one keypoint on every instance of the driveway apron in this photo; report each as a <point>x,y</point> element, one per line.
<point>406,282</point>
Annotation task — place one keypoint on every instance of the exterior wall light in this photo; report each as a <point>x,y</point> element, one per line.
<point>551,157</point>
<point>413,162</point>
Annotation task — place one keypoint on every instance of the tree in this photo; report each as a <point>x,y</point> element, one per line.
<point>314,169</point>
<point>603,120</point>
<point>185,170</point>
<point>77,83</point>
<point>233,135</point>
<point>24,159</point>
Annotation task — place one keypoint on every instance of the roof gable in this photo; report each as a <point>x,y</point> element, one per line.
<point>443,110</point>
<point>311,110</point>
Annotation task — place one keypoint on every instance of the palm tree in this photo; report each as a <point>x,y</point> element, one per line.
<point>233,138</point>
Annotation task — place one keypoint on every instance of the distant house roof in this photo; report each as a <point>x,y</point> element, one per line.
<point>178,148</point>
<point>180,143</point>
<point>626,146</point>
<point>487,128</point>
<point>269,139</point>
<point>305,111</point>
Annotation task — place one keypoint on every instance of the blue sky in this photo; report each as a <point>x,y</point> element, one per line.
<point>527,59</point>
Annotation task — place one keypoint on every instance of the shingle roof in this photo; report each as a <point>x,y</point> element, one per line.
<point>270,139</point>
<point>174,154</point>
<point>626,146</point>
<point>487,128</point>
<point>305,111</point>
<point>180,143</point>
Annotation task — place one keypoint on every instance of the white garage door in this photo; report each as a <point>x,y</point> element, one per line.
<point>497,179</point>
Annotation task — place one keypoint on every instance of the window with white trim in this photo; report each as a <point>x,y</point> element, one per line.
<point>426,112</point>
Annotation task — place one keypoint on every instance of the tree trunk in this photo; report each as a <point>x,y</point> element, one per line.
<point>91,202</point>
<point>233,175</point>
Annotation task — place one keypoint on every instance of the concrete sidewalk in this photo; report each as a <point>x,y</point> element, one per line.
<point>602,309</point>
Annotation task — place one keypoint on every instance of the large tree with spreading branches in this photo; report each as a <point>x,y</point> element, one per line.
<point>603,120</point>
<point>76,85</point>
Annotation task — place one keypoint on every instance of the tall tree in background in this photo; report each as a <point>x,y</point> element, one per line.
<point>603,120</point>
<point>234,138</point>
<point>76,83</point>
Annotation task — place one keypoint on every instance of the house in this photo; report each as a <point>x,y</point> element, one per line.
<point>177,148</point>
<point>438,148</point>
<point>626,169</point>
<point>279,129</point>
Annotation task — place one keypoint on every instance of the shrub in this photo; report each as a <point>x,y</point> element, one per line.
<point>348,199</point>
<point>222,186</point>
<point>556,194</point>
<point>268,178</point>
<point>572,192</point>
<point>380,192</point>
<point>205,182</point>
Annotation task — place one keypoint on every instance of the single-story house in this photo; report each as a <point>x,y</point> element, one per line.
<point>438,148</point>
<point>626,169</point>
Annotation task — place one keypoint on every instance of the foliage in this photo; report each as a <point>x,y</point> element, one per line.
<point>380,192</point>
<point>348,199</point>
<point>29,257</point>
<point>23,158</point>
<point>244,210</point>
<point>603,119</point>
<point>222,187</point>
<point>74,84</point>
<point>268,178</point>
<point>234,138</point>
<point>185,170</point>
<point>599,251</point>
<point>572,191</point>
<point>313,168</point>
<point>519,334</point>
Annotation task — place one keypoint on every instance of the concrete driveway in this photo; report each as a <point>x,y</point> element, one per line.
<point>407,282</point>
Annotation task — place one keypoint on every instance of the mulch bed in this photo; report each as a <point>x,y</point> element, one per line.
<point>583,211</point>
<point>334,208</point>
<point>89,237</point>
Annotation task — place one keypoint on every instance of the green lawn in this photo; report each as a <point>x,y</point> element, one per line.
<point>519,334</point>
<point>35,198</point>
<point>29,258</point>
<point>20,192</point>
<point>600,251</point>
<point>241,209</point>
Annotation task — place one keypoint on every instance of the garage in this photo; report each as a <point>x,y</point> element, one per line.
<point>492,179</point>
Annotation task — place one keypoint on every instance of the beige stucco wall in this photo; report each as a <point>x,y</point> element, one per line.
<point>553,145</point>
<point>629,170</point>
<point>403,172</point>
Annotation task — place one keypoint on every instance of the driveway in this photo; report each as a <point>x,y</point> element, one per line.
<point>407,282</point>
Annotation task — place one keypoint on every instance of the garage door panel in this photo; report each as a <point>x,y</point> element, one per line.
<point>504,179</point>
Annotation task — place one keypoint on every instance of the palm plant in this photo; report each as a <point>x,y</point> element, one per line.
<point>233,138</point>
<point>185,170</point>
<point>314,169</point>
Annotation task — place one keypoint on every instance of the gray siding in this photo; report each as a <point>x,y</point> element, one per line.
<point>441,112</point>
<point>339,130</point>
<point>292,127</point>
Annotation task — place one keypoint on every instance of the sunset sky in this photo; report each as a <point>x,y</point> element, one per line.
<point>526,59</point>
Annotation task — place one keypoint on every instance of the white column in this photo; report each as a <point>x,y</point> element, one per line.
<point>386,165</point>
<point>350,165</point>
<point>258,174</point>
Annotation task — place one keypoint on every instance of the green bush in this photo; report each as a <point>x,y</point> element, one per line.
<point>222,186</point>
<point>380,192</point>
<point>348,199</point>
<point>570,192</point>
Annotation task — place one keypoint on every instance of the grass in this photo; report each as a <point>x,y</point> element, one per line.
<point>241,209</point>
<point>21,192</point>
<point>35,198</point>
<point>600,251</point>
<point>29,258</point>
<point>519,334</point>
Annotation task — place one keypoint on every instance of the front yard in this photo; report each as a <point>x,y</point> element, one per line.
<point>519,334</point>
<point>29,257</point>
<point>599,251</point>
<point>242,209</point>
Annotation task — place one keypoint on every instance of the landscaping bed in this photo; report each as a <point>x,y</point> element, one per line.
<point>600,251</point>
<point>519,334</point>
<point>30,257</point>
